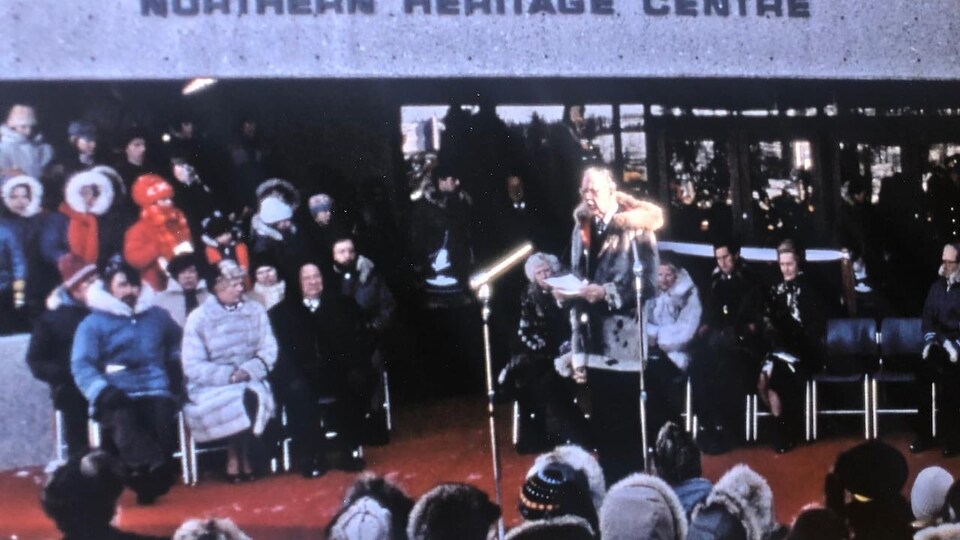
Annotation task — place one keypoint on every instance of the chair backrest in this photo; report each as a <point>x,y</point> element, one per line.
<point>851,337</point>
<point>900,337</point>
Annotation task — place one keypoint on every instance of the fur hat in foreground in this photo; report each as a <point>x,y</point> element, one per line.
<point>579,459</point>
<point>452,511</point>
<point>740,498</point>
<point>209,529</point>
<point>642,506</point>
<point>559,528</point>
<point>372,500</point>
<point>947,531</point>
<point>929,493</point>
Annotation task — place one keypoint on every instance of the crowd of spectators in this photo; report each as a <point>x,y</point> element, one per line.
<point>564,496</point>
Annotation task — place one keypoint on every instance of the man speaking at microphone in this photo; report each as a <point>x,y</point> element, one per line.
<point>612,230</point>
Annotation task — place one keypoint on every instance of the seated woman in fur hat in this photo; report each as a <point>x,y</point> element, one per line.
<point>228,350</point>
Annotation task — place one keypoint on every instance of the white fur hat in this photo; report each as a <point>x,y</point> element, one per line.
<point>365,519</point>
<point>274,210</point>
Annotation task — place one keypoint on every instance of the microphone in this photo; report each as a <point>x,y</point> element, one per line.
<point>493,272</point>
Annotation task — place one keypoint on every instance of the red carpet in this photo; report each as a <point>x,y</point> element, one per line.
<point>433,443</point>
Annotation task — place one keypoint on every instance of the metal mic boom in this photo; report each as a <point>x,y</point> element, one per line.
<point>491,273</point>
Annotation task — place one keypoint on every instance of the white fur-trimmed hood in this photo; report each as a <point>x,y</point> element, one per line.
<point>100,300</point>
<point>579,459</point>
<point>641,480</point>
<point>947,531</point>
<point>746,496</point>
<point>89,178</point>
<point>633,214</point>
<point>36,193</point>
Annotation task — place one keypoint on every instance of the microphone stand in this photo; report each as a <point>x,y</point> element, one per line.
<point>481,283</point>
<point>638,286</point>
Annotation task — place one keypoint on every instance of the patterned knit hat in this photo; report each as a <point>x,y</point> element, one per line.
<point>557,489</point>
<point>73,269</point>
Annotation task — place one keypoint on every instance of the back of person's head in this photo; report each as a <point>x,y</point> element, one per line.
<point>676,455</point>
<point>818,524</point>
<point>740,506</point>
<point>929,493</point>
<point>373,508</point>
<point>209,529</point>
<point>579,459</point>
<point>641,507</point>
<point>557,489</point>
<point>452,511</point>
<point>81,495</point>
<point>951,504</point>
<point>558,528</point>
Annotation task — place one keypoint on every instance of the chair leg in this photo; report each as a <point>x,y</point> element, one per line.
<point>58,434</point>
<point>285,444</point>
<point>873,405</point>
<point>810,410</point>
<point>184,455</point>
<point>386,400</point>
<point>933,409</point>
<point>515,431</point>
<point>689,406</point>
<point>815,410</point>
<point>755,434</point>
<point>866,407</point>
<point>94,434</point>
<point>192,459</point>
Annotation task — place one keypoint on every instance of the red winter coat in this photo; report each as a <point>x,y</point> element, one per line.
<point>158,231</point>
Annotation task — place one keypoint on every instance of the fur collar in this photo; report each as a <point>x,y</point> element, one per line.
<point>364,268</point>
<point>947,531</point>
<point>100,300</point>
<point>632,215</point>
<point>88,178</point>
<point>664,490</point>
<point>8,134</point>
<point>60,297</point>
<point>540,528</point>
<point>681,287</point>
<point>952,279</point>
<point>262,229</point>
<point>580,459</point>
<point>746,496</point>
<point>36,194</point>
<point>431,194</point>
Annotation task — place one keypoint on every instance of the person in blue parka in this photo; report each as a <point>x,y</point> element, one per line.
<point>126,362</point>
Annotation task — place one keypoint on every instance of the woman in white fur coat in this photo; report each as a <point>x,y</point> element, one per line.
<point>671,318</point>
<point>674,314</point>
<point>228,350</point>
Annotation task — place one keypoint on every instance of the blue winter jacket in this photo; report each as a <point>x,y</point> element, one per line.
<point>127,348</point>
<point>13,265</point>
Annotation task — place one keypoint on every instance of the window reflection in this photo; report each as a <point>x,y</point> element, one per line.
<point>781,190</point>
<point>699,189</point>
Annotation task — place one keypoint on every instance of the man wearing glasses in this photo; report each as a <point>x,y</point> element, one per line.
<point>941,352</point>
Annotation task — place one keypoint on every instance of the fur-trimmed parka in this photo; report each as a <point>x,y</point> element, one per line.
<point>216,343</point>
<point>642,506</point>
<point>673,317</point>
<point>29,155</point>
<point>946,531</point>
<point>744,496</point>
<point>93,235</point>
<point>41,236</point>
<point>611,337</point>
<point>559,528</point>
